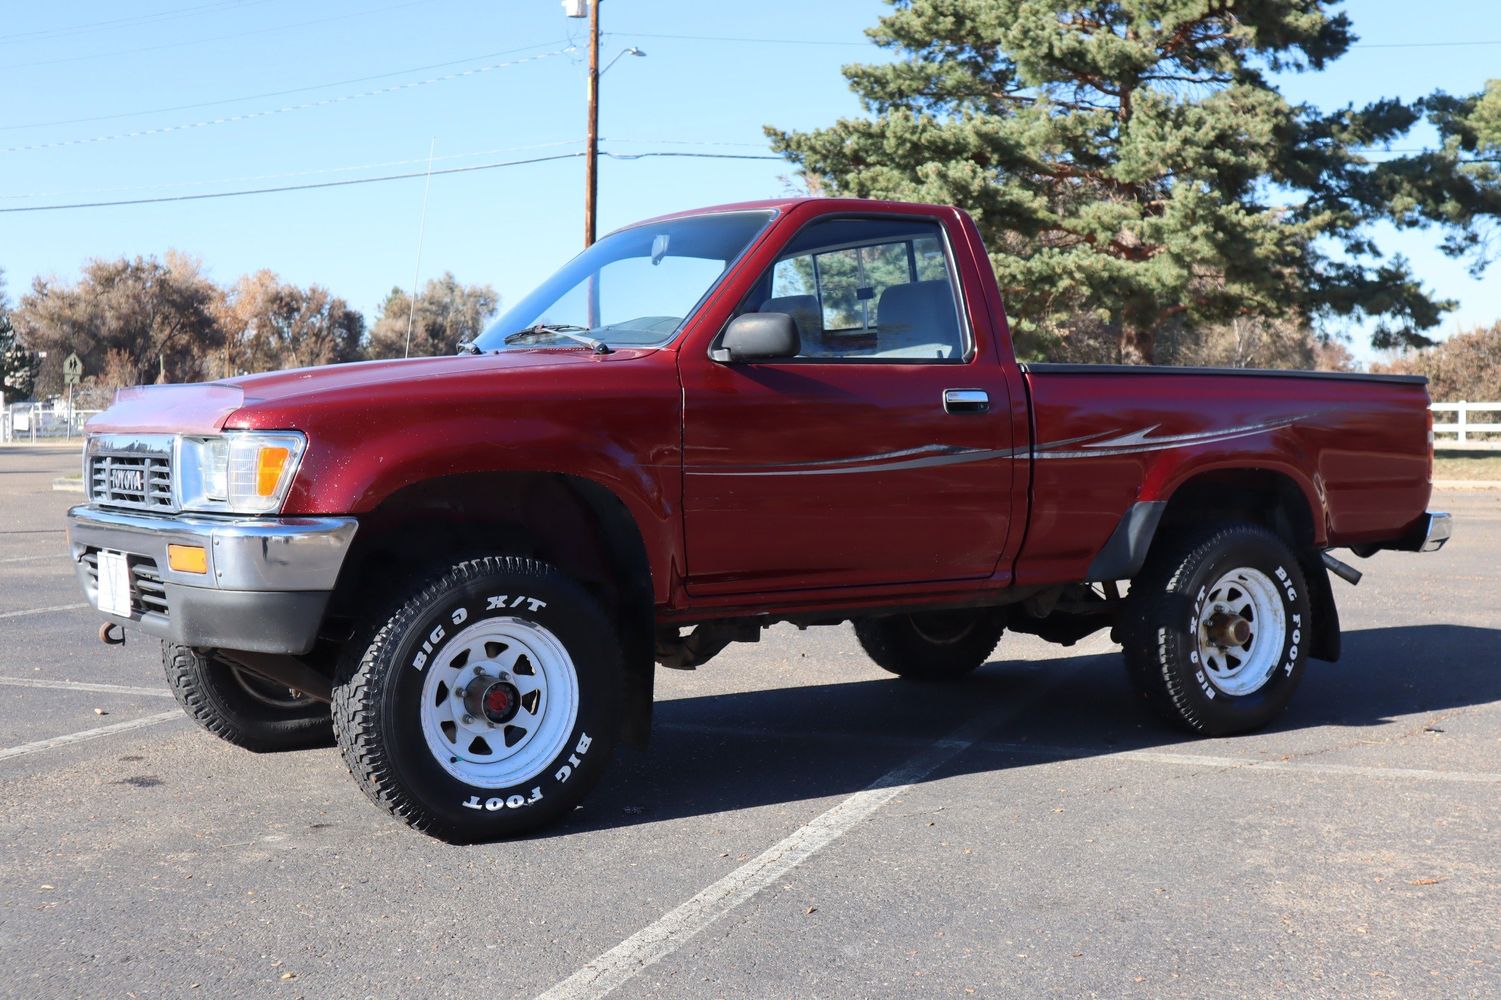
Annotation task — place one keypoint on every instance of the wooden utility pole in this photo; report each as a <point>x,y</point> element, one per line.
<point>591,153</point>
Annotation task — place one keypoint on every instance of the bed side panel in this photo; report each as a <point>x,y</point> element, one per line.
<point>1356,449</point>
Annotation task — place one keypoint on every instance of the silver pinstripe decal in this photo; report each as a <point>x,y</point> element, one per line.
<point>1100,445</point>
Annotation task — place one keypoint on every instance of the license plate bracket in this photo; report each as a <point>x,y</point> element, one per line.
<point>114,583</point>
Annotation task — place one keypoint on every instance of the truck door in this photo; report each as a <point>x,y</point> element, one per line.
<point>880,454</point>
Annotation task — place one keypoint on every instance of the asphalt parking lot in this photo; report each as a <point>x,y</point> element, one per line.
<point>802,826</point>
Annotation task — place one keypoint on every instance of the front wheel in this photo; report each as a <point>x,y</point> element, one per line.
<point>487,705</point>
<point>931,645</point>
<point>1217,629</point>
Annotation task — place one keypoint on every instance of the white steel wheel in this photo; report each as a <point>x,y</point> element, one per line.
<point>486,704</point>
<point>500,702</point>
<point>1242,631</point>
<point>1217,627</point>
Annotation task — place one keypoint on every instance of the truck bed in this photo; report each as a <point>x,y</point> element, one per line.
<point>1107,436</point>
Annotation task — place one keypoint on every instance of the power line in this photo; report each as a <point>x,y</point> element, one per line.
<point>736,38</point>
<point>1418,150</point>
<point>251,115</point>
<point>374,180</point>
<point>694,156</point>
<point>1420,45</point>
<point>688,142</point>
<point>133,20</point>
<point>219,38</point>
<point>281,175</point>
<point>655,154</point>
<point>276,93</point>
<point>292,187</point>
<point>863,44</point>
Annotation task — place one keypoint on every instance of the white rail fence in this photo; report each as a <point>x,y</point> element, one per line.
<point>1474,426</point>
<point>1461,426</point>
<point>41,421</point>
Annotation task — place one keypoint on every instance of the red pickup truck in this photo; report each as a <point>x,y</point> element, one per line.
<point>805,411</point>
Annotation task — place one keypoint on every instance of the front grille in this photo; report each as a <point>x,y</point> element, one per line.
<point>148,595</point>
<point>141,482</point>
<point>146,587</point>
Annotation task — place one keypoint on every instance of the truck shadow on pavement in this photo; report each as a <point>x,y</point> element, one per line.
<point>728,752</point>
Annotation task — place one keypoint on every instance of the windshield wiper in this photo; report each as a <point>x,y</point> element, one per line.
<point>468,347</point>
<point>559,330</point>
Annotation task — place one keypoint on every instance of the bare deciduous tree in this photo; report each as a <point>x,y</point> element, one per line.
<point>269,325</point>
<point>160,313</point>
<point>447,313</point>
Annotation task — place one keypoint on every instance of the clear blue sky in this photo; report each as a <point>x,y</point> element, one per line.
<point>512,226</point>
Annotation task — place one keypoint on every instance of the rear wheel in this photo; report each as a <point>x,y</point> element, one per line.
<point>931,645</point>
<point>487,705</point>
<point>242,708</point>
<point>1217,628</point>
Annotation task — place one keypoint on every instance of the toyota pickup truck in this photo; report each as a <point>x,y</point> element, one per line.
<point>464,570</point>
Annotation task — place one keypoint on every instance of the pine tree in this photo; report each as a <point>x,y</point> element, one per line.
<point>1134,167</point>
<point>18,366</point>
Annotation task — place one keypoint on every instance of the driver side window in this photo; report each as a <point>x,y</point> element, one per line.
<point>867,289</point>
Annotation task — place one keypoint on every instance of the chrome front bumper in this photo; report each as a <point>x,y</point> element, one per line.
<point>267,583</point>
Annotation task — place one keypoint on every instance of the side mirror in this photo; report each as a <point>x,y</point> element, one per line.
<point>759,337</point>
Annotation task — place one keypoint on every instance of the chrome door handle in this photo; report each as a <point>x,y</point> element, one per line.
<point>966,400</point>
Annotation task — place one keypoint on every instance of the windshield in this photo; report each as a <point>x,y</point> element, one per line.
<point>634,288</point>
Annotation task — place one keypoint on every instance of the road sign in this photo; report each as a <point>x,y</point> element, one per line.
<point>72,369</point>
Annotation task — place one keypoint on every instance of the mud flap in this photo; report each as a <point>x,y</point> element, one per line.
<point>1326,634</point>
<point>639,681</point>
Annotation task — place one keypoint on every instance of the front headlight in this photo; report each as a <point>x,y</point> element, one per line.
<point>241,472</point>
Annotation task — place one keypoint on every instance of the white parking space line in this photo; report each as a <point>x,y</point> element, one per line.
<point>1255,764</point>
<point>15,559</point>
<point>38,682</point>
<point>42,611</point>
<point>656,941</point>
<point>89,734</point>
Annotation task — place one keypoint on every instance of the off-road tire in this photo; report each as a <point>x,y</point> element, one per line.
<point>931,646</point>
<point>225,704</point>
<point>379,699</point>
<point>1161,638</point>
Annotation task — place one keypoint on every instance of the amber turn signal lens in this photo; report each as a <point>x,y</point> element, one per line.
<point>187,558</point>
<point>269,463</point>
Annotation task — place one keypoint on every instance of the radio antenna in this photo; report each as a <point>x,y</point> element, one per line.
<point>421,234</point>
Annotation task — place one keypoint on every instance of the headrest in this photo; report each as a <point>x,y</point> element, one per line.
<point>926,306</point>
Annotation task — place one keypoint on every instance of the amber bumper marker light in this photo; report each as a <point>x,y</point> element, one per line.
<point>187,558</point>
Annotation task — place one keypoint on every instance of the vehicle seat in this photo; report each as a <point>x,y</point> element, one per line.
<point>917,320</point>
<point>805,312</point>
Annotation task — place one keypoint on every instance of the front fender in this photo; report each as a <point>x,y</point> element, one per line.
<point>623,435</point>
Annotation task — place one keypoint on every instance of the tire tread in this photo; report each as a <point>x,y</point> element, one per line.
<point>198,692</point>
<point>895,649</point>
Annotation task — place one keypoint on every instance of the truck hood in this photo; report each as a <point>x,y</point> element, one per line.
<point>203,408</point>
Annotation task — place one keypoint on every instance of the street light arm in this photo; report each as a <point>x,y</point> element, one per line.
<point>632,51</point>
